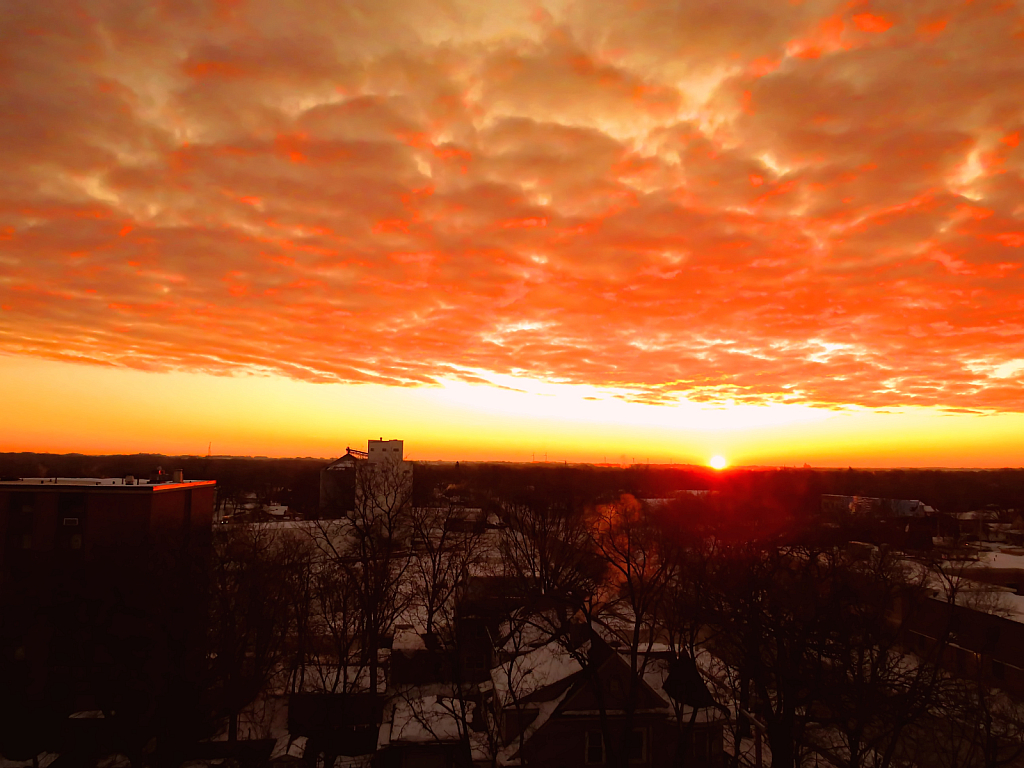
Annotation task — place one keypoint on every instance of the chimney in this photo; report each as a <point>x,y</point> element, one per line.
<point>179,476</point>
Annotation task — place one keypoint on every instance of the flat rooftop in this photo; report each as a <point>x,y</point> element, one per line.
<point>101,483</point>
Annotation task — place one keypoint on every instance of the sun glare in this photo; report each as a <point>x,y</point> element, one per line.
<point>718,462</point>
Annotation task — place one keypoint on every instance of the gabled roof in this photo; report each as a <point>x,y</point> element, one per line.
<point>613,675</point>
<point>540,675</point>
<point>677,678</point>
<point>563,687</point>
<point>431,716</point>
<point>425,716</point>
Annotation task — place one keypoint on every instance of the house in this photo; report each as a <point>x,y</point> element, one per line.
<point>985,525</point>
<point>562,708</point>
<point>843,507</point>
<point>975,644</point>
<point>336,725</point>
<point>438,725</point>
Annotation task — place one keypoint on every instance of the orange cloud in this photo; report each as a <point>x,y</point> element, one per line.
<point>745,202</point>
<point>871,22</point>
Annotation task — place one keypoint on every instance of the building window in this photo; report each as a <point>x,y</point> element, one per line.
<point>701,745</point>
<point>19,523</point>
<point>423,758</point>
<point>696,746</point>
<point>638,745</point>
<point>71,513</point>
<point>595,748</point>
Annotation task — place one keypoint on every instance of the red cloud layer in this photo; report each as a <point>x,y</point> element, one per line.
<point>813,202</point>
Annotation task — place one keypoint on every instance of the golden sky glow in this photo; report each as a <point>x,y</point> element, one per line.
<point>61,407</point>
<point>781,232</point>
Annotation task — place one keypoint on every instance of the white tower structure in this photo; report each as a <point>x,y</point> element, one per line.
<point>383,450</point>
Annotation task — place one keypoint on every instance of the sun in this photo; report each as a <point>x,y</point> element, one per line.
<point>718,462</point>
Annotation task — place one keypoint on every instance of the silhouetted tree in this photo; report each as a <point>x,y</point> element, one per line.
<point>446,546</point>
<point>873,690</point>
<point>639,568</point>
<point>776,611</point>
<point>250,611</point>
<point>373,543</point>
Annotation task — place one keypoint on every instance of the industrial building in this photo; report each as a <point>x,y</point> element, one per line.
<point>338,479</point>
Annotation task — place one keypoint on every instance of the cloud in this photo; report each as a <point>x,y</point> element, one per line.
<point>811,202</point>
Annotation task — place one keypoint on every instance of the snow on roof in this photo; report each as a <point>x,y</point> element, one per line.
<point>338,678</point>
<point>1011,606</point>
<point>353,761</point>
<point>516,637</point>
<point>408,641</point>
<point>656,503</point>
<point>656,673</point>
<point>532,672</point>
<point>978,514</point>
<point>509,755</point>
<point>289,746</point>
<point>410,627</point>
<point>971,594</point>
<point>428,714</point>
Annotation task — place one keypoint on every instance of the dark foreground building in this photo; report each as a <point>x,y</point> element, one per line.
<point>102,611</point>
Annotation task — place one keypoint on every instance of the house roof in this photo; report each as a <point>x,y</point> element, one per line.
<point>100,484</point>
<point>426,714</point>
<point>554,683</point>
<point>613,676</point>
<point>509,755</point>
<point>677,679</point>
<point>540,675</point>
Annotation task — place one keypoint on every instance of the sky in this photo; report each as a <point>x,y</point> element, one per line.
<point>783,232</point>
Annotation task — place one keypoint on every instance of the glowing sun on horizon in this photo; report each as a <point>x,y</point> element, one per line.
<point>718,462</point>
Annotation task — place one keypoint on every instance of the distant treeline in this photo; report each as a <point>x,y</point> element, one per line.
<point>796,490</point>
<point>295,482</point>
